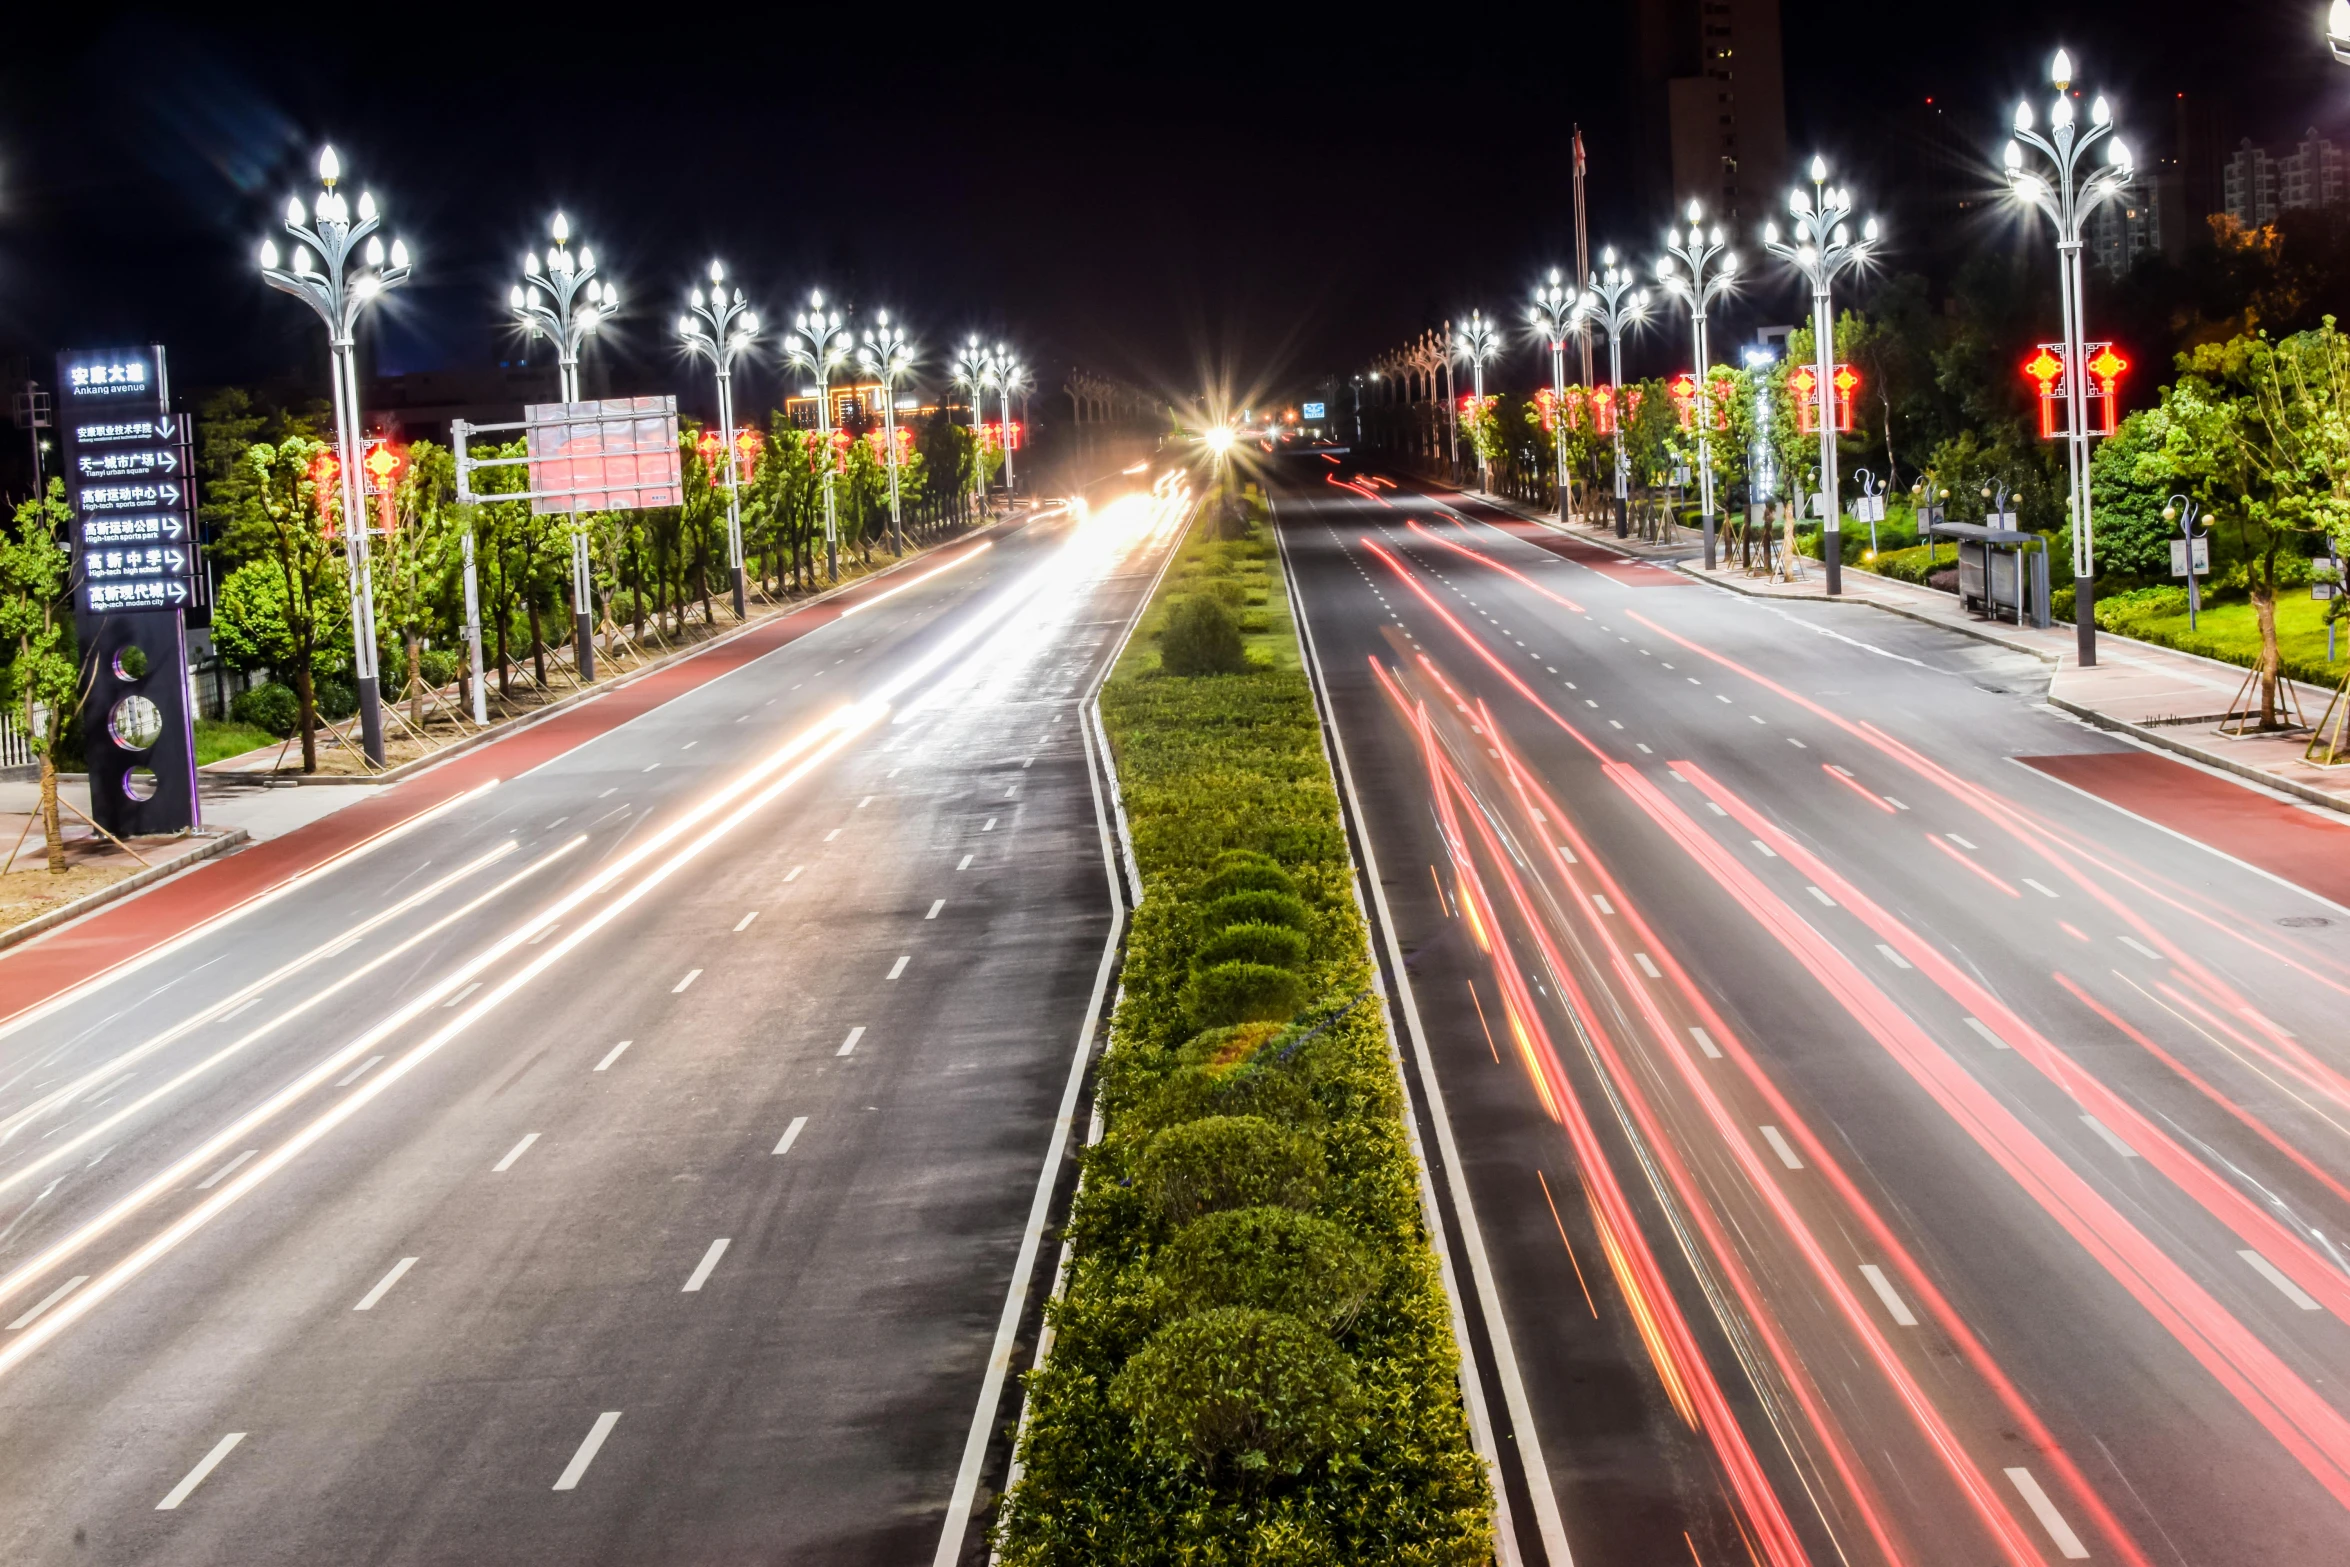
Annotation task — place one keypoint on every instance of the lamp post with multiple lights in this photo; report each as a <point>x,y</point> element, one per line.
<point>886,356</point>
<point>1821,247</point>
<point>563,302</point>
<point>1003,370</point>
<point>1479,344</point>
<point>2057,184</point>
<point>2338,30</point>
<point>1615,304</point>
<point>1697,268</point>
<point>322,275</point>
<point>821,344</point>
<point>718,326</point>
<point>1553,314</point>
<point>969,371</point>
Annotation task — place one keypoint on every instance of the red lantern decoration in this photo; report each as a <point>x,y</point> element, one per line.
<point>1603,409</point>
<point>746,452</point>
<point>2102,396</point>
<point>1803,386</point>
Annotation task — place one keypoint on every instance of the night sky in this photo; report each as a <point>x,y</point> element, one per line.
<point>1213,197</point>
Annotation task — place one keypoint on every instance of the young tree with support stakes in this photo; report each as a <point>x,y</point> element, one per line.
<point>288,607</point>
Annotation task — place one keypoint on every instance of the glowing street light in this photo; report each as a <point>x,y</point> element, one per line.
<point>1479,344</point>
<point>1553,314</point>
<point>820,343</point>
<point>338,267</point>
<point>2057,184</point>
<point>1615,304</point>
<point>1697,268</point>
<point>1821,247</point>
<point>969,371</point>
<point>886,356</point>
<point>718,327</point>
<point>2338,30</point>
<point>1003,370</point>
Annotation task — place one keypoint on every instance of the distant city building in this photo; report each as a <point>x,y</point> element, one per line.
<point>1712,107</point>
<point>2125,232</point>
<point>2248,186</point>
<point>2256,187</point>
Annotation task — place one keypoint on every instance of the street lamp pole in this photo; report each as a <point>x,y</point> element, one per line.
<point>889,358</point>
<point>564,303</point>
<point>2058,186</point>
<point>819,343</point>
<point>1614,303</point>
<point>718,329</point>
<point>322,276</point>
<point>1821,247</point>
<point>970,371</point>
<point>1008,375</point>
<point>1553,314</point>
<point>1684,271</point>
<point>1478,343</point>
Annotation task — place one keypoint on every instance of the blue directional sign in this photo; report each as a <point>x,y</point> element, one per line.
<point>128,476</point>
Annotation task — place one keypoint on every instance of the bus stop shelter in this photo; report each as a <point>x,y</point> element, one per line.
<point>2002,572</point>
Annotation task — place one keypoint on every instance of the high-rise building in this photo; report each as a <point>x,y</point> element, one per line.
<point>2256,187</point>
<point>1712,102</point>
<point>2248,186</point>
<point>2124,232</point>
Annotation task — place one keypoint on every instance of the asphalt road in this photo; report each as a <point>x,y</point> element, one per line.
<point>627,1164</point>
<point>1882,1151</point>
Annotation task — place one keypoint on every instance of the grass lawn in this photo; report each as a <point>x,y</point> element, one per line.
<point>222,737</point>
<point>2230,632</point>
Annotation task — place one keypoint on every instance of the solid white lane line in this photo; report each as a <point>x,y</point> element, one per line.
<point>2036,887</point>
<point>899,967</point>
<point>828,837</point>
<point>383,1286</point>
<point>848,1044</point>
<point>1984,1029</point>
<point>2140,948</point>
<point>965,864</point>
<point>701,1273</point>
<point>48,1300</point>
<point>1787,1155</point>
<point>613,1054</point>
<point>225,1171</point>
<point>691,975</point>
<point>795,873</point>
<point>2068,1544</point>
<point>1646,967</point>
<point>744,923</point>
<point>462,994</point>
<point>357,1072</point>
<point>934,908</point>
<point>791,1134</point>
<point>588,1449</point>
<point>1705,1042</point>
<point>1892,957</point>
<point>1823,897</point>
<point>1884,1288</point>
<point>989,826</point>
<point>2112,1138</point>
<point>2286,1287</point>
<point>204,1466</point>
<point>514,1153</point>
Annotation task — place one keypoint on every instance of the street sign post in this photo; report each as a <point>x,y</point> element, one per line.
<point>137,572</point>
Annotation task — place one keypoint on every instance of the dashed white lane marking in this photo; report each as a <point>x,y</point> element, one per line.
<point>1602,904</point>
<point>847,1045</point>
<point>48,1300</point>
<point>2111,1138</point>
<point>651,766</point>
<point>2286,1287</point>
<point>2068,1544</point>
<point>701,1274</point>
<point>613,1054</point>
<point>225,1171</point>
<point>514,1153</point>
<point>2044,892</point>
<point>246,1005</point>
<point>791,1134</point>
<point>1716,809</point>
<point>1823,897</point>
<point>1798,744</point>
<point>607,794</point>
<point>1894,1305</point>
<point>1705,1042</point>
<point>462,994</point>
<point>1646,967</point>
<point>828,837</point>
<point>544,934</point>
<point>557,822</point>
<point>588,1449</point>
<point>383,1286</point>
<point>795,874</point>
<point>1896,804</point>
<point>861,804</point>
<point>1787,1155</point>
<point>357,1072</point>
<point>1644,750</point>
<point>965,864</point>
<point>899,967</point>
<point>1567,854</point>
<point>1955,838</point>
<point>195,1477</point>
<point>988,825</point>
<point>1011,792</point>
<point>2140,948</point>
<point>934,908</point>
<point>1764,849</point>
<point>1892,957</point>
<point>744,923</point>
<point>1984,1029</point>
<point>691,975</point>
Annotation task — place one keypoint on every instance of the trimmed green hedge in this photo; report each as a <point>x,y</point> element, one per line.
<point>1253,1361</point>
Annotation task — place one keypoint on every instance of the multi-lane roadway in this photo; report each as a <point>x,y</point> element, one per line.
<point>1881,1147</point>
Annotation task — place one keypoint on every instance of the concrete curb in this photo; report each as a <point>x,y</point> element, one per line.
<point>88,902</point>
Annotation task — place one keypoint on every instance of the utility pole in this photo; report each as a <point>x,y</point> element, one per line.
<point>1582,243</point>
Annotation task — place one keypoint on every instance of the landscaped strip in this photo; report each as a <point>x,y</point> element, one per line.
<point>1253,1358</point>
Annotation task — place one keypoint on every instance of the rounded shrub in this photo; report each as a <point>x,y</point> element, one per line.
<point>1275,946</point>
<point>1242,993</point>
<point>337,699</point>
<point>1268,1091</point>
<point>1256,908</point>
<point>1238,1391</point>
<point>1244,870</point>
<point>1229,1161</point>
<point>272,707</point>
<point>1202,638</point>
<point>1276,1259</point>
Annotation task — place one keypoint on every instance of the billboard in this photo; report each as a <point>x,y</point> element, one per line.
<point>616,454</point>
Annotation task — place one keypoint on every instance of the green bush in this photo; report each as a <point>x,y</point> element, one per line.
<point>336,699</point>
<point>1202,638</point>
<point>1242,993</point>
<point>1272,946</point>
<point>2117,612</point>
<point>1257,908</point>
<point>1237,1389</point>
<point>1229,1161</point>
<point>1277,1259</point>
<point>439,665</point>
<point>272,707</point>
<point>1244,871</point>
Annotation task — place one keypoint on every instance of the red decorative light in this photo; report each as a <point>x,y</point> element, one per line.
<point>746,451</point>
<point>2101,398</point>
<point>1803,389</point>
<point>1603,409</point>
<point>384,463</point>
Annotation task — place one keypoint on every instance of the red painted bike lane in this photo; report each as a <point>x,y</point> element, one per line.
<point>48,966</point>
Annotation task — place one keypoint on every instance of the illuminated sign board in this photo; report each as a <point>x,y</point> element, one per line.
<point>129,464</point>
<point>1315,411</point>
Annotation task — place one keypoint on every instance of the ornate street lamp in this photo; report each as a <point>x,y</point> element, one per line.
<point>1003,370</point>
<point>1697,268</point>
<point>969,371</point>
<point>1821,247</point>
<point>718,327</point>
<point>1615,304</point>
<point>821,344</point>
<point>1479,344</point>
<point>886,356</point>
<point>1553,315</point>
<point>327,243</point>
<point>2338,33</point>
<point>2057,184</point>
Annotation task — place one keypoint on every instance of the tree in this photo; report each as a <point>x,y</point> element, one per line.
<point>41,680</point>
<point>290,604</point>
<point>2129,485</point>
<point>417,560</point>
